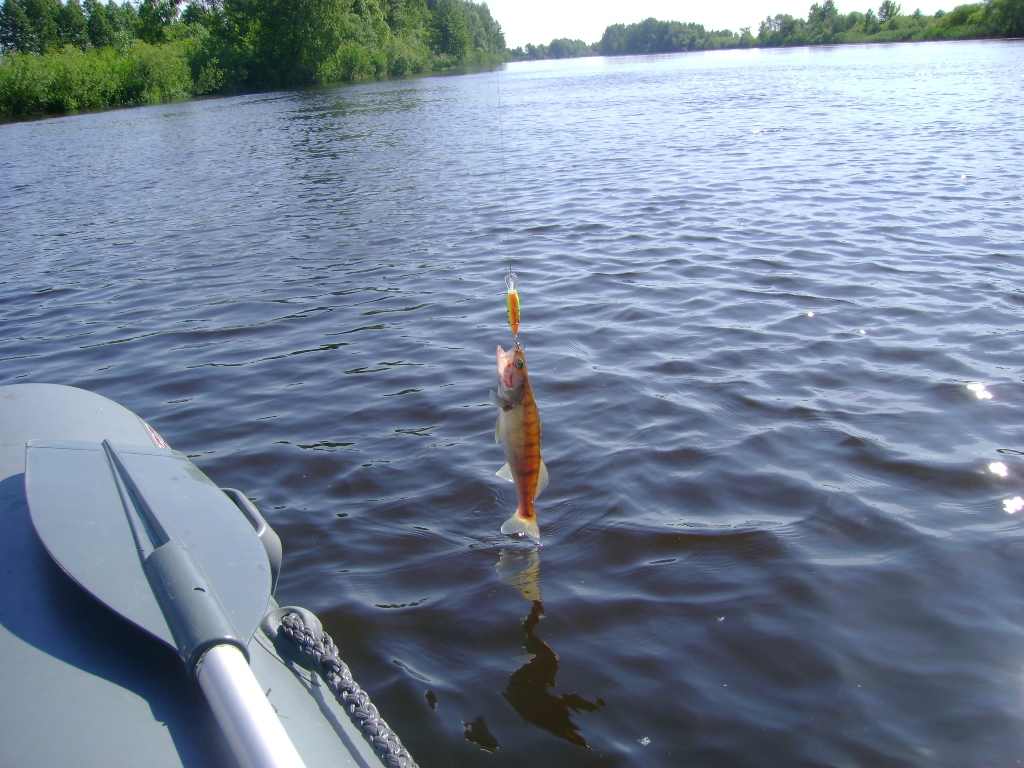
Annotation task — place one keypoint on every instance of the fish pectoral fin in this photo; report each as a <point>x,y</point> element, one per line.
<point>506,473</point>
<point>516,525</point>
<point>500,401</point>
<point>542,478</point>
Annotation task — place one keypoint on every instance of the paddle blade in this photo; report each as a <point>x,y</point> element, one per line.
<point>80,517</point>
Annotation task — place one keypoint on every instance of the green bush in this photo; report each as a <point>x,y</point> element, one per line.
<point>144,51</point>
<point>71,80</point>
<point>158,73</point>
<point>407,55</point>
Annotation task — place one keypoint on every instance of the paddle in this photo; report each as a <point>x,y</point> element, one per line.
<point>149,535</point>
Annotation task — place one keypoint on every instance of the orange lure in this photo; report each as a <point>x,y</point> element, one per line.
<point>512,304</point>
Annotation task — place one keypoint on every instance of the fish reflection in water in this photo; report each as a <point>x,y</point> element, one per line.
<point>527,689</point>
<point>522,571</point>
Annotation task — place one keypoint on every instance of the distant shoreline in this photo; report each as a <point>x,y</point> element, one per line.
<point>774,47</point>
<point>825,25</point>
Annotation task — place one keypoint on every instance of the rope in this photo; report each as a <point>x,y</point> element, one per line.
<point>321,650</point>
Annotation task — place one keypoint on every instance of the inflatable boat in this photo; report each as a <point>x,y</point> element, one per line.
<point>138,625</point>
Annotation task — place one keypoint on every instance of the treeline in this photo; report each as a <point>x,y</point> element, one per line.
<point>653,36</point>
<point>65,56</point>
<point>560,48</point>
<point>824,25</point>
<point>648,36</point>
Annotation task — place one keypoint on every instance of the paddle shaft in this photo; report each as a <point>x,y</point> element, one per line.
<point>203,632</point>
<point>252,728</point>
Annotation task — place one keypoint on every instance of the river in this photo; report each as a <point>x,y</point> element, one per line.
<point>771,305</point>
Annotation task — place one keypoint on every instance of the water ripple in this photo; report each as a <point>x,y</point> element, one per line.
<point>771,308</point>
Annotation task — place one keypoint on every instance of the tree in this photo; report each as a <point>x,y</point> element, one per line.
<point>781,30</point>
<point>205,12</point>
<point>484,32</point>
<point>42,17</point>
<point>282,43</point>
<point>825,13</point>
<point>564,48</point>
<point>870,22</point>
<point>448,33</point>
<point>72,27</point>
<point>123,19</point>
<point>888,10</point>
<point>537,51</point>
<point>15,29</point>
<point>154,18</point>
<point>97,25</point>
<point>654,36</point>
<point>824,21</point>
<point>1007,17</point>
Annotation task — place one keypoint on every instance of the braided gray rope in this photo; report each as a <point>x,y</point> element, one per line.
<point>322,651</point>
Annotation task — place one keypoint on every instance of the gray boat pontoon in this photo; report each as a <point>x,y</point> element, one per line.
<point>138,625</point>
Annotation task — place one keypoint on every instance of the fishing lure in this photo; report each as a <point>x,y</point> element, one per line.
<point>512,304</point>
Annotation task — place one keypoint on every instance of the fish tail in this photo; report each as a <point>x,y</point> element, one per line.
<point>520,525</point>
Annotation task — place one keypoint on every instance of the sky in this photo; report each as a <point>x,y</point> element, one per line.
<point>540,21</point>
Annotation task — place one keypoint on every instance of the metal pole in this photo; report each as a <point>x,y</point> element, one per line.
<point>252,728</point>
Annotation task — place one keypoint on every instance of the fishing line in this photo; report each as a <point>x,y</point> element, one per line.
<point>505,181</point>
<point>512,297</point>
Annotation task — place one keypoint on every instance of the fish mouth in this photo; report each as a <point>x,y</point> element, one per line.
<point>506,378</point>
<point>510,376</point>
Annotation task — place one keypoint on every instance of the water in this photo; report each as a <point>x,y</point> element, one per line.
<point>755,286</point>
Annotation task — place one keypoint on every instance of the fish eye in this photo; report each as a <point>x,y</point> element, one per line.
<point>519,363</point>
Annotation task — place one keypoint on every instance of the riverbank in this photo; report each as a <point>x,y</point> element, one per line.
<point>71,57</point>
<point>825,25</point>
<point>71,81</point>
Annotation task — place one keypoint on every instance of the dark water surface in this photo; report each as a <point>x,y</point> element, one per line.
<point>756,288</point>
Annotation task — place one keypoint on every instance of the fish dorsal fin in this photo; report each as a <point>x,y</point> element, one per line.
<point>506,473</point>
<point>542,478</point>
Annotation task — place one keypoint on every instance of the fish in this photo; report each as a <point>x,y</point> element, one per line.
<point>518,431</point>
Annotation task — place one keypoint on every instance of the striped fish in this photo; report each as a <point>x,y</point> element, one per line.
<point>518,431</point>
